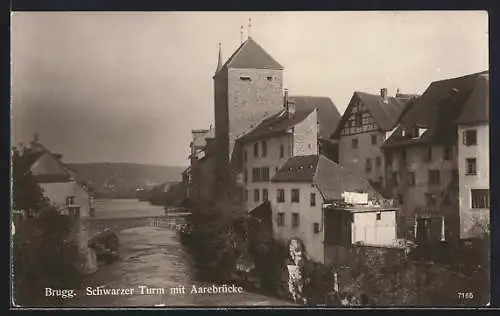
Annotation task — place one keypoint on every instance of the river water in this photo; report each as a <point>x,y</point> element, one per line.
<point>153,258</point>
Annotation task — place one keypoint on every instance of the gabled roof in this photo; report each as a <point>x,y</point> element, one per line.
<point>328,114</point>
<point>251,55</point>
<point>386,115</point>
<point>34,154</point>
<point>330,178</point>
<point>468,96</point>
<point>445,103</point>
<point>276,124</point>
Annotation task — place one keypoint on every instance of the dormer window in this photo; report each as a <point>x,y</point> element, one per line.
<point>245,78</point>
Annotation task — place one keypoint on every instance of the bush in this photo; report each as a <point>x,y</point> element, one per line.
<point>43,257</point>
<point>44,254</point>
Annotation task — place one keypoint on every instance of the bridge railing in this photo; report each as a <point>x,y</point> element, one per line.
<point>167,223</point>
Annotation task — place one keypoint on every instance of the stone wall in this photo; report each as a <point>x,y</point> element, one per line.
<point>305,136</point>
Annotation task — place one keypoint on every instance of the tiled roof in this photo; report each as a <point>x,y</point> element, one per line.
<point>251,55</point>
<point>28,159</point>
<point>277,123</point>
<point>331,178</point>
<point>476,108</point>
<point>32,156</point>
<point>386,115</point>
<point>328,114</point>
<point>397,139</point>
<point>297,169</point>
<point>471,92</point>
<point>445,103</point>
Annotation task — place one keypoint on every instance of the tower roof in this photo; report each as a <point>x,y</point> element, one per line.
<point>251,55</point>
<point>219,59</point>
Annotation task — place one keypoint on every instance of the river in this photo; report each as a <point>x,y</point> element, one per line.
<point>153,258</point>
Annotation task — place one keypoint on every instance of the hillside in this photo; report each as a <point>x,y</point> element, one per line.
<point>120,180</point>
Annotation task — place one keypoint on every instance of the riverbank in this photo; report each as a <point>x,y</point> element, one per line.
<point>154,257</point>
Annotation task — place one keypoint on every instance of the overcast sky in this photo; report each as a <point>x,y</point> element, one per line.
<point>130,86</point>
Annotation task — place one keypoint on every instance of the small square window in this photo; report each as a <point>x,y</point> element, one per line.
<point>368,165</point>
<point>313,199</point>
<point>434,177</point>
<point>265,195</point>
<point>256,195</point>
<point>281,219</point>
<point>354,143</point>
<point>295,195</point>
<point>295,220</point>
<point>480,198</point>
<point>264,149</point>
<point>470,137</point>
<point>471,166</point>
<point>269,78</point>
<point>280,196</point>
<point>256,150</point>
<point>316,228</point>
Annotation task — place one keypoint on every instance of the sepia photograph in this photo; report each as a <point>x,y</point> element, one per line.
<point>250,159</point>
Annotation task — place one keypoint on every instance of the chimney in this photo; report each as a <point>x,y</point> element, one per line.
<point>290,108</point>
<point>285,99</point>
<point>383,94</point>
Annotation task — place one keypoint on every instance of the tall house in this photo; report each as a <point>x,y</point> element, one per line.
<point>202,164</point>
<point>291,132</point>
<point>248,88</point>
<point>367,122</point>
<point>425,171</point>
<point>299,194</point>
<point>474,162</point>
<point>58,182</point>
<point>297,130</point>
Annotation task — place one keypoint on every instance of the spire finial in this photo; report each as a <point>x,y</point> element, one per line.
<point>219,59</point>
<point>241,34</point>
<point>249,27</point>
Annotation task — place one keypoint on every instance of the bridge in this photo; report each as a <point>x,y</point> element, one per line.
<point>172,221</point>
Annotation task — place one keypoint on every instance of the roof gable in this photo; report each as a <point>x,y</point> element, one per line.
<point>251,55</point>
<point>386,115</point>
<point>328,114</point>
<point>47,166</point>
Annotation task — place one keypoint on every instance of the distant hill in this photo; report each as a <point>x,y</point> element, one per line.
<point>120,180</point>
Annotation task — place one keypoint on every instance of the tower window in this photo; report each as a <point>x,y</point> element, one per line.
<point>245,78</point>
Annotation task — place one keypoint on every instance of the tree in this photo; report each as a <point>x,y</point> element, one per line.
<point>26,193</point>
<point>43,254</point>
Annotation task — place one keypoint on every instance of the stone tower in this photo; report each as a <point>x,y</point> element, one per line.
<point>248,88</point>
